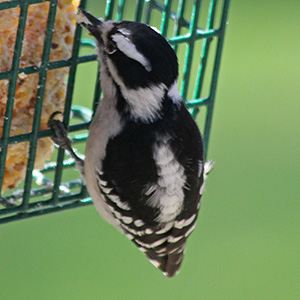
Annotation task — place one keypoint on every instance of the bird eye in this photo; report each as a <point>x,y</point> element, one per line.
<point>111,47</point>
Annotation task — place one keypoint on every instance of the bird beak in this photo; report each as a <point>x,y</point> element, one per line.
<point>91,23</point>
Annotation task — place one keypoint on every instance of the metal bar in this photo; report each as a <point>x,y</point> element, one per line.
<point>12,4</point>
<point>120,10</point>
<point>197,102</point>
<point>12,88</point>
<point>173,15</point>
<point>46,190</point>
<point>42,203</point>
<point>109,9</point>
<point>9,4</point>
<point>204,56</point>
<point>67,163</point>
<point>88,43</point>
<point>205,50</point>
<point>67,108</point>
<point>179,21</point>
<point>139,10</point>
<point>22,216</point>
<point>44,133</point>
<point>187,38</point>
<point>216,69</point>
<point>165,18</point>
<point>149,8</point>
<point>41,179</point>
<point>50,66</point>
<point>190,49</point>
<point>200,33</point>
<point>82,113</point>
<point>39,103</point>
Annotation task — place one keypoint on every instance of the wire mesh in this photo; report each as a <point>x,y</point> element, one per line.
<point>196,31</point>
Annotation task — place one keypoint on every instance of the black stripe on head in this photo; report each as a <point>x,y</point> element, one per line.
<point>160,61</point>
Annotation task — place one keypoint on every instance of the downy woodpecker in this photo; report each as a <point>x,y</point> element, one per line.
<point>144,163</point>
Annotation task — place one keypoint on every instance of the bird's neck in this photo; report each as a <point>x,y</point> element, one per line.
<point>143,104</point>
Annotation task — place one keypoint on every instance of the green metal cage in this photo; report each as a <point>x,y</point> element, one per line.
<point>196,31</point>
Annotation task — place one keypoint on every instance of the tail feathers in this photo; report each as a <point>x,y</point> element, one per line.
<point>173,262</point>
<point>169,258</point>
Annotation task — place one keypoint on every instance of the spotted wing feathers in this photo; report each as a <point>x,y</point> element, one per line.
<point>163,245</point>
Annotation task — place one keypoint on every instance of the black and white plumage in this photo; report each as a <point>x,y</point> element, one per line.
<point>144,163</point>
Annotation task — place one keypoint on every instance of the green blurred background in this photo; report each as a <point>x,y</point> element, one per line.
<point>247,241</point>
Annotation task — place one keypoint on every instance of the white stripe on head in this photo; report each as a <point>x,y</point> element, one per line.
<point>128,48</point>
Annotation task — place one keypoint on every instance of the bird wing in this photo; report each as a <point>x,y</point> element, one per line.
<point>152,187</point>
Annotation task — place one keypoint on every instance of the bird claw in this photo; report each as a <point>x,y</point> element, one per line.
<point>61,139</point>
<point>61,134</point>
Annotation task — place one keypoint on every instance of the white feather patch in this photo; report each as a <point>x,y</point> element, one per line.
<point>207,168</point>
<point>202,188</point>
<point>113,198</point>
<point>155,263</point>
<point>126,220</point>
<point>173,93</point>
<point>172,239</point>
<point>144,103</point>
<point>128,48</point>
<point>120,217</point>
<point>116,213</point>
<point>130,236</point>
<point>106,190</point>
<point>177,249</point>
<point>168,195</point>
<point>143,249</point>
<point>183,223</point>
<point>152,245</point>
<point>131,230</point>
<point>139,223</point>
<point>166,228</point>
<point>162,250</point>
<point>148,231</point>
<point>118,202</point>
<point>190,230</point>
<point>200,166</point>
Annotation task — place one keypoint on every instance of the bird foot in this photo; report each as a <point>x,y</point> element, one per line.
<point>61,139</point>
<point>61,134</point>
